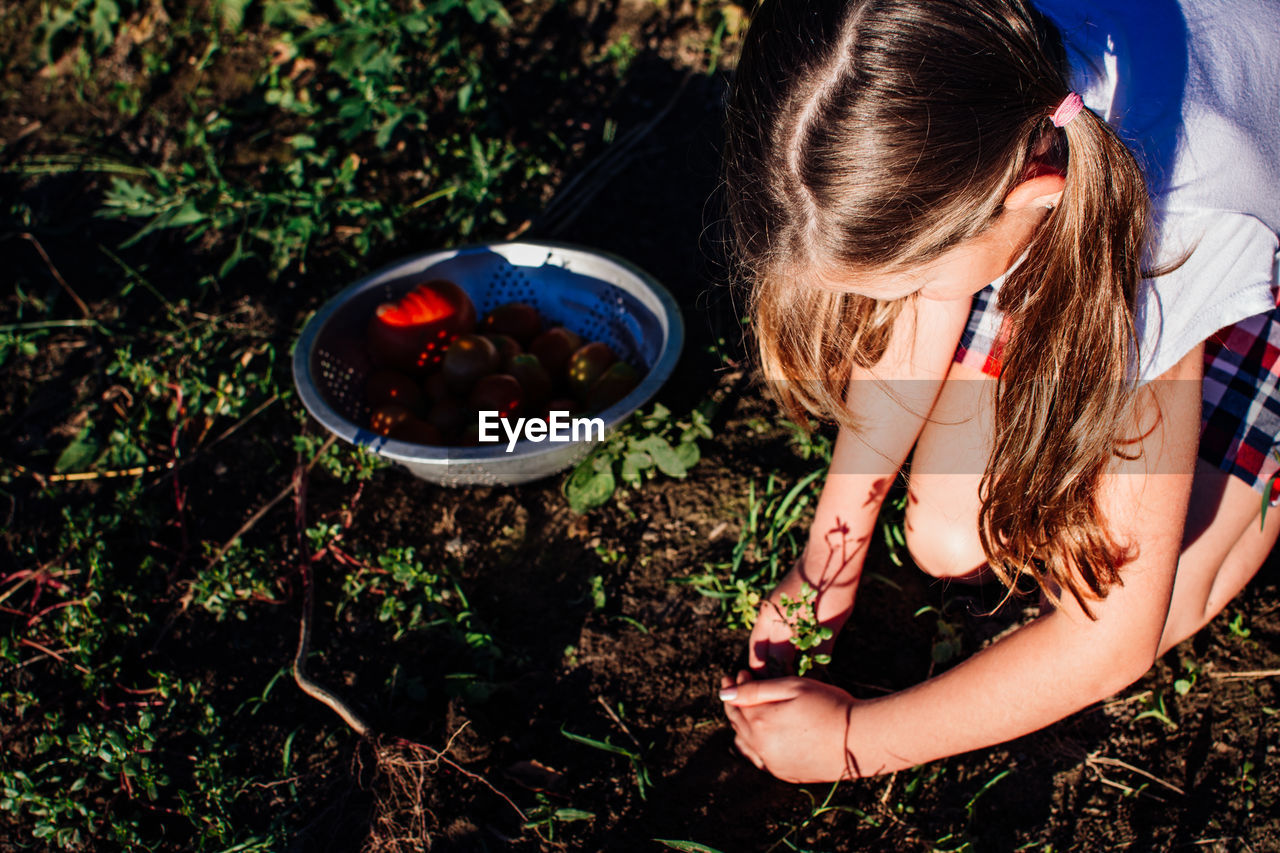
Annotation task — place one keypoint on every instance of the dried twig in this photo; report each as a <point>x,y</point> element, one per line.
<point>626,731</point>
<point>403,761</point>
<point>1247,674</point>
<point>265,508</point>
<point>80,303</point>
<point>1093,760</point>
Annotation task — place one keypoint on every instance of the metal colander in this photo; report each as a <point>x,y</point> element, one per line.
<point>597,295</point>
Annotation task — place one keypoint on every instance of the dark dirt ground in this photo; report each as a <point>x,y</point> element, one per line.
<point>526,562</point>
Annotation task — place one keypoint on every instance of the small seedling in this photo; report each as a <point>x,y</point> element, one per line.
<point>644,447</point>
<point>806,632</point>
<point>639,772</point>
<point>1156,709</point>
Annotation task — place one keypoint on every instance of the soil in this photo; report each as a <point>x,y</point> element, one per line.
<point>640,670</point>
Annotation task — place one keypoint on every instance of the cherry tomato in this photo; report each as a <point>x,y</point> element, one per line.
<point>614,384</point>
<point>507,346</point>
<point>498,392</point>
<point>553,348</point>
<point>384,419</point>
<point>417,431</point>
<point>587,364</point>
<point>412,334</point>
<point>468,358</point>
<point>389,386</point>
<point>533,378</point>
<point>517,319</point>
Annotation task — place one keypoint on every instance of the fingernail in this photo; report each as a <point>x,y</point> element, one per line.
<point>728,694</point>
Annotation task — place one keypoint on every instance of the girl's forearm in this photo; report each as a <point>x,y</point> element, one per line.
<point>1036,676</point>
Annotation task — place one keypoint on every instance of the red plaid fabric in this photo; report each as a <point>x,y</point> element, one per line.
<point>1240,416</point>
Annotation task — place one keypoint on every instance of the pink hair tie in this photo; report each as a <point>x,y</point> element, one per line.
<point>1067,110</point>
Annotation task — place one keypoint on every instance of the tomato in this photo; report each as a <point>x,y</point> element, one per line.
<point>614,384</point>
<point>417,431</point>
<point>532,376</point>
<point>413,333</point>
<point>586,365</point>
<point>434,387</point>
<point>389,386</point>
<point>498,392</point>
<point>562,404</point>
<point>553,348</point>
<point>449,417</point>
<point>507,346</point>
<point>517,319</point>
<point>384,419</point>
<point>468,358</point>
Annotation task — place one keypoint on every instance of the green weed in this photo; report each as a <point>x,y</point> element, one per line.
<point>636,452</point>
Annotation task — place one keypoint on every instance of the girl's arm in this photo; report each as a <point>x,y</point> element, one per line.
<point>802,730</point>
<point>892,401</point>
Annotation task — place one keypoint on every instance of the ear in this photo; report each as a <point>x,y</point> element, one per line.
<point>1040,190</point>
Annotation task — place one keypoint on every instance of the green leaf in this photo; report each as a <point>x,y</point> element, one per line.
<point>688,453</point>
<point>664,455</point>
<point>632,466</point>
<point>590,490</point>
<point>686,846</point>
<point>79,453</point>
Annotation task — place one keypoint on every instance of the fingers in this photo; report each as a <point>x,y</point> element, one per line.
<point>770,657</point>
<point>749,753</point>
<point>748,693</point>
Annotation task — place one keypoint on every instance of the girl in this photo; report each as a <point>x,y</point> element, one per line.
<point>1104,179</point>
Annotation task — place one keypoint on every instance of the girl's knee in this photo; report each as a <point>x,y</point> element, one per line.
<point>943,547</point>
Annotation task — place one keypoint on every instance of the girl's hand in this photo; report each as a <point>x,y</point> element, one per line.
<point>794,728</point>
<point>770,652</point>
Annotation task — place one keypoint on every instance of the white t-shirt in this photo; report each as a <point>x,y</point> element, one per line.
<point>1193,88</point>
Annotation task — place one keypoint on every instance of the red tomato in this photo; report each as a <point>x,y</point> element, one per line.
<point>413,333</point>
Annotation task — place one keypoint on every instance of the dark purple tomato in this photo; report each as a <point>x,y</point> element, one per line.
<point>417,431</point>
<point>587,364</point>
<point>390,386</point>
<point>533,378</point>
<point>449,416</point>
<point>434,387</point>
<point>553,348</point>
<point>384,419</point>
<point>614,384</point>
<point>468,358</point>
<point>517,319</point>
<point>413,333</point>
<point>498,392</point>
<point>507,346</point>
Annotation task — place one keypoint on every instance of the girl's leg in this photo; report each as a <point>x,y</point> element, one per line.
<point>946,468</point>
<point>1223,546</point>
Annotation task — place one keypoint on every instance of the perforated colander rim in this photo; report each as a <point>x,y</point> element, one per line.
<point>402,451</point>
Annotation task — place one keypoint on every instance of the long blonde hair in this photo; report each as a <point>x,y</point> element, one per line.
<point>878,134</point>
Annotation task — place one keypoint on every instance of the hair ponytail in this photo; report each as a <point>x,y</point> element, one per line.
<point>857,141</point>
<point>1066,388</point>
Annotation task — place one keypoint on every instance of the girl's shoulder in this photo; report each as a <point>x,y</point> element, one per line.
<point>1192,87</point>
